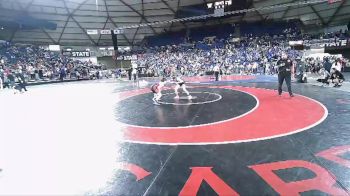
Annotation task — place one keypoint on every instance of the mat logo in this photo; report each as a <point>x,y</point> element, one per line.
<point>323,181</point>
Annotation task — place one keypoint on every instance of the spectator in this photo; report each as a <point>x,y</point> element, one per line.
<point>327,65</point>
<point>21,82</point>
<point>337,77</point>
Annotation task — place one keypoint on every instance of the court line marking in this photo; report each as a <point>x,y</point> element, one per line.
<point>160,171</point>
<point>206,124</point>
<point>197,103</point>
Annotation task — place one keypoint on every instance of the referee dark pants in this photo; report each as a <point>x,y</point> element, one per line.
<point>287,76</point>
<point>216,75</point>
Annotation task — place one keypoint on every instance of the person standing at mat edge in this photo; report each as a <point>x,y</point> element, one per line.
<point>285,73</point>
<point>216,70</point>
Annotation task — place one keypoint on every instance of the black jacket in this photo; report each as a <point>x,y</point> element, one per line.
<point>284,65</point>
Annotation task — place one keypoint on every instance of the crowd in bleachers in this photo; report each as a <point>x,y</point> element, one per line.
<point>37,64</point>
<point>256,52</point>
<point>250,54</point>
<point>247,56</point>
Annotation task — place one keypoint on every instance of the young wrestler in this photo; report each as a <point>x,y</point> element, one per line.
<point>180,84</point>
<point>157,91</point>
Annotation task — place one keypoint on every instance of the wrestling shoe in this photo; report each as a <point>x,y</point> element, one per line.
<point>156,103</point>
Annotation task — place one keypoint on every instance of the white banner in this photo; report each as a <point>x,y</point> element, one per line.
<point>127,58</point>
<point>54,47</point>
<point>219,12</point>
<point>106,53</point>
<point>106,32</point>
<point>80,54</point>
<point>118,31</point>
<point>294,43</point>
<point>92,32</point>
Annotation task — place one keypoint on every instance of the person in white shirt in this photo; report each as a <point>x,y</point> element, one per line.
<point>134,73</point>
<point>337,65</point>
<point>134,70</point>
<point>216,70</point>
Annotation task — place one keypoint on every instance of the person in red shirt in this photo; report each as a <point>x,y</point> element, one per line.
<point>157,91</point>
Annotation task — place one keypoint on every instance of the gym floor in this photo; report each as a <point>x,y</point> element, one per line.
<point>234,137</point>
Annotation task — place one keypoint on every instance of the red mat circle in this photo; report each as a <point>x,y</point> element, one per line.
<point>275,117</point>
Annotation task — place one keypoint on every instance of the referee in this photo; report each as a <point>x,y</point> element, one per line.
<point>284,73</point>
<point>216,72</point>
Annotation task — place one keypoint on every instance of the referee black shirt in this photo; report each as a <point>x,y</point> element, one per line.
<point>284,65</point>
